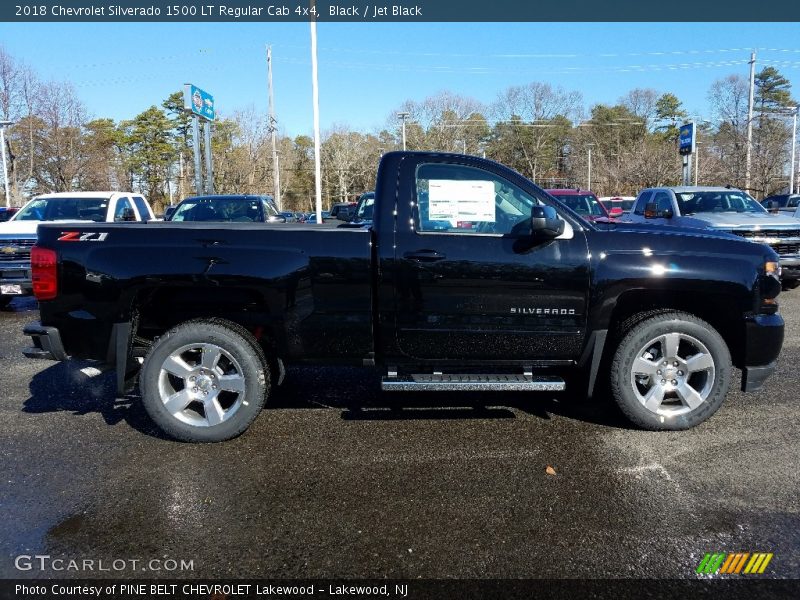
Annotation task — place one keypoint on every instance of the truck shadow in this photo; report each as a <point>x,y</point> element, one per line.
<point>357,394</point>
<point>79,388</point>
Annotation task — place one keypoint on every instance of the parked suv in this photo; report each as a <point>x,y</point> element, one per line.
<point>241,208</point>
<point>18,235</point>
<point>343,211</point>
<point>782,202</point>
<point>724,209</point>
<point>583,202</point>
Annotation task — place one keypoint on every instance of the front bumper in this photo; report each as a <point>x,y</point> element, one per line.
<point>17,273</point>
<point>762,345</point>
<point>790,267</point>
<point>47,343</point>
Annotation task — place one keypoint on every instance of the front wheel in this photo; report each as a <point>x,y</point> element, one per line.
<point>670,372</point>
<point>204,381</point>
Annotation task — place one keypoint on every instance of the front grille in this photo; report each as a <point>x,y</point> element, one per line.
<point>786,248</point>
<point>773,233</point>
<point>12,250</point>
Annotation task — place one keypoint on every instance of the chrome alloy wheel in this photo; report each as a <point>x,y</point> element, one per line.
<point>201,384</point>
<point>673,374</point>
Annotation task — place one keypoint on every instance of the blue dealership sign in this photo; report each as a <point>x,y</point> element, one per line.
<point>198,102</point>
<point>686,139</point>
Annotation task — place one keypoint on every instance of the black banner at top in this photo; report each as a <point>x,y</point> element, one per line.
<point>275,11</point>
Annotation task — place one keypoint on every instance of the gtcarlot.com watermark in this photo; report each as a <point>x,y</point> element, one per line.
<point>47,563</point>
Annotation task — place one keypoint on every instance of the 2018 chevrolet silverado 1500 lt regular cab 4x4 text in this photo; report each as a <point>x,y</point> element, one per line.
<point>470,278</point>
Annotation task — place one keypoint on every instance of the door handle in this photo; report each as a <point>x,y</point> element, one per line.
<point>424,256</point>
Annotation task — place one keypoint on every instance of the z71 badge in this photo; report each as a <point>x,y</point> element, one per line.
<point>77,236</point>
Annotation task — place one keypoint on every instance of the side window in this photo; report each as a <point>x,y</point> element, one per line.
<point>663,201</point>
<point>468,200</point>
<point>141,206</point>
<point>124,211</point>
<point>641,202</point>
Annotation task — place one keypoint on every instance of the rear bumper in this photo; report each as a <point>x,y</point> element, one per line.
<point>763,341</point>
<point>47,343</point>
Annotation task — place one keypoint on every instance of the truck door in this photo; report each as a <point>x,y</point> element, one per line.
<point>471,282</point>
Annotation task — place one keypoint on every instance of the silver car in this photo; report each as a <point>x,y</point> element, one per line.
<point>723,209</point>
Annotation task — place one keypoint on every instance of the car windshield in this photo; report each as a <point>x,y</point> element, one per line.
<point>61,209</point>
<point>241,209</point>
<point>722,201</point>
<point>583,204</point>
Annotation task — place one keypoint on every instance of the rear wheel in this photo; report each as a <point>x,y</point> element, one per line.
<point>671,371</point>
<point>204,381</point>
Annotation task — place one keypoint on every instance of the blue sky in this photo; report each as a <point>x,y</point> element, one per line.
<point>368,70</point>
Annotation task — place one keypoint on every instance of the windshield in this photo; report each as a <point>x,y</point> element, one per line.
<point>583,204</point>
<point>242,209</point>
<point>60,209</point>
<point>724,201</point>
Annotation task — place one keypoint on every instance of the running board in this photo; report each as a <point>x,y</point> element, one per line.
<point>472,383</point>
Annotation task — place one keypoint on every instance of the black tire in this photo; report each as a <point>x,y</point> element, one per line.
<point>790,284</point>
<point>696,340</point>
<point>240,358</point>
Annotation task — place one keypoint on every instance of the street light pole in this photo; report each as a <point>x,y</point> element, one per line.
<point>403,116</point>
<point>3,125</point>
<point>315,101</point>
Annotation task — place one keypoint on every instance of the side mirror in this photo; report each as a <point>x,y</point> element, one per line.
<point>545,222</point>
<point>615,212</point>
<point>651,212</point>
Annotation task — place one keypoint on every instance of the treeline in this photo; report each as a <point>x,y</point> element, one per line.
<point>542,131</point>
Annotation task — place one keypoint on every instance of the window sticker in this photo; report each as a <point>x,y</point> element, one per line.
<point>465,201</point>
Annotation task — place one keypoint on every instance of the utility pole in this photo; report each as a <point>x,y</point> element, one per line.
<point>3,125</point>
<point>748,156</point>
<point>794,144</point>
<point>315,101</point>
<point>403,116</point>
<point>273,128</point>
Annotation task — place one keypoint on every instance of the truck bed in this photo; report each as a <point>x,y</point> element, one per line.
<point>289,279</point>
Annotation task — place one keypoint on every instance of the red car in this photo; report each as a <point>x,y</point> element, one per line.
<point>585,203</point>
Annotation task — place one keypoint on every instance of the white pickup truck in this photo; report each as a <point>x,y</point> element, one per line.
<point>18,235</point>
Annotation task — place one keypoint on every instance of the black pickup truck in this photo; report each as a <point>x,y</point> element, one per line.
<point>471,278</point>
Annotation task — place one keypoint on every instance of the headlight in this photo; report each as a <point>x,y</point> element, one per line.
<point>773,268</point>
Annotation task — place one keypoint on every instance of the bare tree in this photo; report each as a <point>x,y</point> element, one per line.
<point>443,122</point>
<point>532,113</point>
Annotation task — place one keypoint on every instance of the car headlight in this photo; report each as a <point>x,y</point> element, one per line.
<point>773,267</point>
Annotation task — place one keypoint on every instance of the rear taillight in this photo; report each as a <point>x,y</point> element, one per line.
<point>43,273</point>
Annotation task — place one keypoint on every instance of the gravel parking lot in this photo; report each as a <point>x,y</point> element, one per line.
<point>334,480</point>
